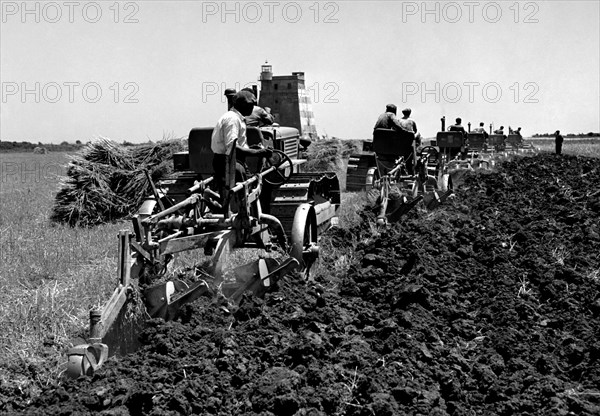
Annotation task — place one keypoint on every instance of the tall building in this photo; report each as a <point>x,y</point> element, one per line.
<point>289,102</point>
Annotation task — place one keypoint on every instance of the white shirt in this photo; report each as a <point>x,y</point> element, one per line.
<point>230,126</point>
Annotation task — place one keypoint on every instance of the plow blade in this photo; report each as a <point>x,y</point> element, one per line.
<point>403,209</point>
<point>165,300</point>
<point>265,276</point>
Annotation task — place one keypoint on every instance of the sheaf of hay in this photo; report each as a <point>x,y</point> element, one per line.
<point>106,181</point>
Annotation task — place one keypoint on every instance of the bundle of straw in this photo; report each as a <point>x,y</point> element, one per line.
<point>106,181</point>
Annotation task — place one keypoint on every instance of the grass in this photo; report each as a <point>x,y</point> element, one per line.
<point>576,146</point>
<point>51,275</point>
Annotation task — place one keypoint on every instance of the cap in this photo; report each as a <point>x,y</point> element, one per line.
<point>230,91</point>
<point>244,97</point>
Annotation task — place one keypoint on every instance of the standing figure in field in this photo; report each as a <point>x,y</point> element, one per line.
<point>558,141</point>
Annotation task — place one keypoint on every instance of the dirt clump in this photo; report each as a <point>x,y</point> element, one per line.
<point>488,305</point>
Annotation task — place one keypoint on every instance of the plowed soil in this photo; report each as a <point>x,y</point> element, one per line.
<point>488,305</point>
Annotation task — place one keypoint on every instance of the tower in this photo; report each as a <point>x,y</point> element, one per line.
<point>289,102</point>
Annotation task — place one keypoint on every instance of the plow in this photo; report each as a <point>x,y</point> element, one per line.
<point>406,177</point>
<point>277,210</point>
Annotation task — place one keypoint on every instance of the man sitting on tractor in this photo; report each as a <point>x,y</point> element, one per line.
<point>458,127</point>
<point>481,129</point>
<point>388,120</point>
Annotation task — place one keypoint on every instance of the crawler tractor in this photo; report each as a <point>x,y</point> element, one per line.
<point>278,208</point>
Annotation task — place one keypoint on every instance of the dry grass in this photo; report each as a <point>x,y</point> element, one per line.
<point>576,146</point>
<point>106,181</point>
<point>51,275</point>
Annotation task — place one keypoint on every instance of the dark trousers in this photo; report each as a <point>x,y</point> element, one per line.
<point>220,168</point>
<point>558,148</point>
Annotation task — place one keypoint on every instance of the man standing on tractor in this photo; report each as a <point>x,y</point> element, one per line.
<point>260,116</point>
<point>231,127</point>
<point>410,125</point>
<point>407,122</point>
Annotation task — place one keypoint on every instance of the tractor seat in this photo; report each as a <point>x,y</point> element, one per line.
<point>449,139</point>
<point>515,140</point>
<point>389,145</point>
<point>476,140</point>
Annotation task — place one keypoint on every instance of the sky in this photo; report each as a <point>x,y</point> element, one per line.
<point>144,70</point>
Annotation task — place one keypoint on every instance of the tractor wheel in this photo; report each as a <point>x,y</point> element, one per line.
<point>304,237</point>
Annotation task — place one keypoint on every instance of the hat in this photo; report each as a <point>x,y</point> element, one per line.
<point>244,97</point>
<point>406,111</point>
<point>230,91</point>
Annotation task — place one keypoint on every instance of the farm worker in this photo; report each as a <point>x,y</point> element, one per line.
<point>407,122</point>
<point>260,116</point>
<point>558,141</point>
<point>229,93</point>
<point>518,131</point>
<point>410,125</point>
<point>500,130</point>
<point>230,127</point>
<point>457,126</point>
<point>481,129</point>
<point>388,120</point>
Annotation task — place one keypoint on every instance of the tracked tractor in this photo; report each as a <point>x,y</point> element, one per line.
<point>278,208</point>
